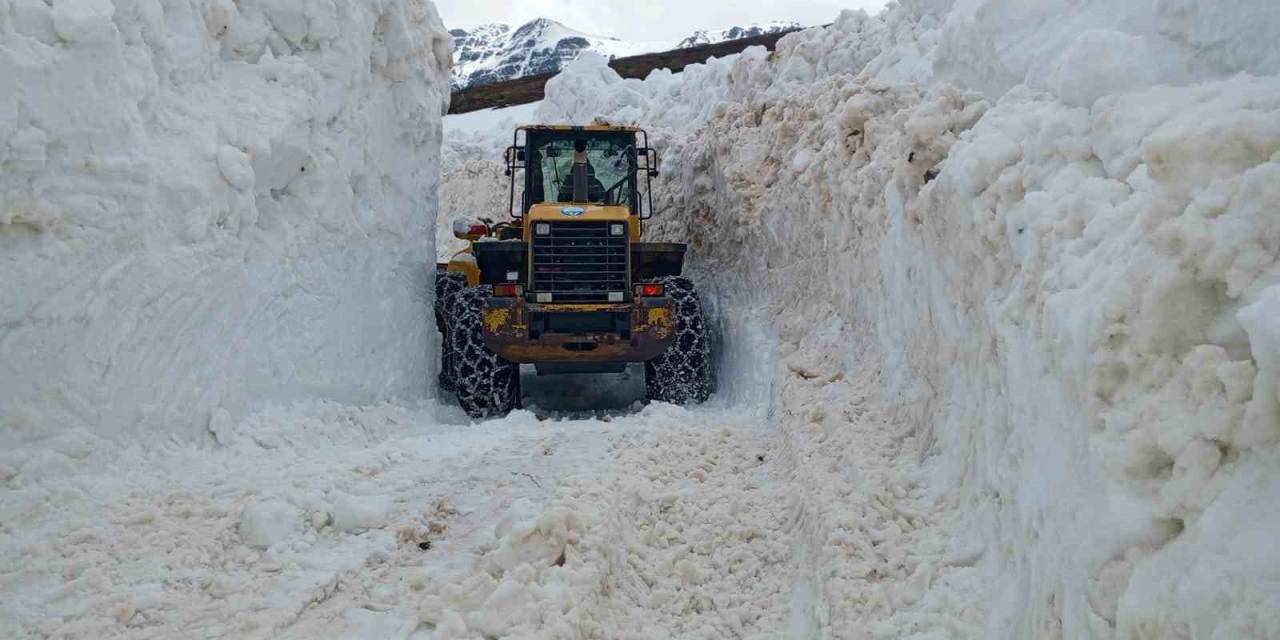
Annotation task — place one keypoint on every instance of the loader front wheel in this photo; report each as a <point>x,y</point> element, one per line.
<point>485,383</point>
<point>682,374</point>
<point>447,284</point>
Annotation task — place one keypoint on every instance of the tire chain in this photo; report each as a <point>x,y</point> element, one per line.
<point>485,383</point>
<point>447,284</point>
<point>682,374</point>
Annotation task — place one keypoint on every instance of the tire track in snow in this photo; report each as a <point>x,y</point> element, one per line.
<point>685,534</point>
<point>881,549</point>
<point>703,535</point>
<point>815,521</point>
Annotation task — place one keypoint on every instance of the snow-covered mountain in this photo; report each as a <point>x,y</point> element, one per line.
<point>494,52</point>
<point>712,36</point>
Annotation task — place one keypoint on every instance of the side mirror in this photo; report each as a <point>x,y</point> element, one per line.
<point>650,156</point>
<point>469,229</point>
<point>520,155</point>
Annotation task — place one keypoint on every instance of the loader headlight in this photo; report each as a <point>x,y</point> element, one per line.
<point>542,229</point>
<point>617,229</point>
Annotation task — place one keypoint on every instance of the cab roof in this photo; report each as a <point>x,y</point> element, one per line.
<point>572,127</point>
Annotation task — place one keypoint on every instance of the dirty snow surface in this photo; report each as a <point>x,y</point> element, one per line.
<point>390,521</point>
<point>995,288</point>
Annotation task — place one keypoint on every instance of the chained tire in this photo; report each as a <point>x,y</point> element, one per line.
<point>486,384</point>
<point>682,374</point>
<point>447,284</point>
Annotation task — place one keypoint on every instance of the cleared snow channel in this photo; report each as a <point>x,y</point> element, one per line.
<point>388,521</point>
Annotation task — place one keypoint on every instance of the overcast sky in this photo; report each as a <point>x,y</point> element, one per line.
<point>646,19</point>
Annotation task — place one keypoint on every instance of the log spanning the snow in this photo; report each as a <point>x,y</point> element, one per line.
<point>530,88</point>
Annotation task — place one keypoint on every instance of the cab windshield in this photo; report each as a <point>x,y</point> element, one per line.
<point>611,168</point>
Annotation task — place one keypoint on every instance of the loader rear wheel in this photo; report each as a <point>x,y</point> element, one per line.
<point>447,284</point>
<point>486,384</point>
<point>682,374</point>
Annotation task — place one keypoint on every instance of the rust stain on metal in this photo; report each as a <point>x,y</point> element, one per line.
<point>494,319</point>
<point>578,307</point>
<point>659,321</point>
<point>553,348</point>
<point>506,331</point>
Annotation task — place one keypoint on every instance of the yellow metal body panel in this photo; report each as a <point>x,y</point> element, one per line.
<point>465,263</point>
<point>552,212</point>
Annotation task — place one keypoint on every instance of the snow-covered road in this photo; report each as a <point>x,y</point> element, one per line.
<point>390,521</point>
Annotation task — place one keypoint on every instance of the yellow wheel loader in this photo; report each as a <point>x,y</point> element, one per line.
<point>566,284</point>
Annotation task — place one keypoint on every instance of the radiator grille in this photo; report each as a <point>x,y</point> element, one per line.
<point>579,262</point>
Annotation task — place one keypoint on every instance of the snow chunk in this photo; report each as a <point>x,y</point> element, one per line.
<point>27,149</point>
<point>33,18</point>
<point>1101,62</point>
<point>235,167</point>
<point>87,21</point>
<point>539,541</point>
<point>353,513</point>
<point>264,523</point>
<point>222,426</point>
<point>1262,417</point>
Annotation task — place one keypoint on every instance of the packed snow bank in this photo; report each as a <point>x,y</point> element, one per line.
<point>1081,51</point>
<point>1048,232</point>
<point>588,89</point>
<point>207,204</point>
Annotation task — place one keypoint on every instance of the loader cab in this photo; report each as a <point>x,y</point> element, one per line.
<point>589,165</point>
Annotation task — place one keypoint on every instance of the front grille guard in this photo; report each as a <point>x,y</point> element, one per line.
<point>579,262</point>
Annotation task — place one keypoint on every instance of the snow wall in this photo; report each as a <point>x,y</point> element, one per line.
<point>1049,230</point>
<point>209,206</point>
